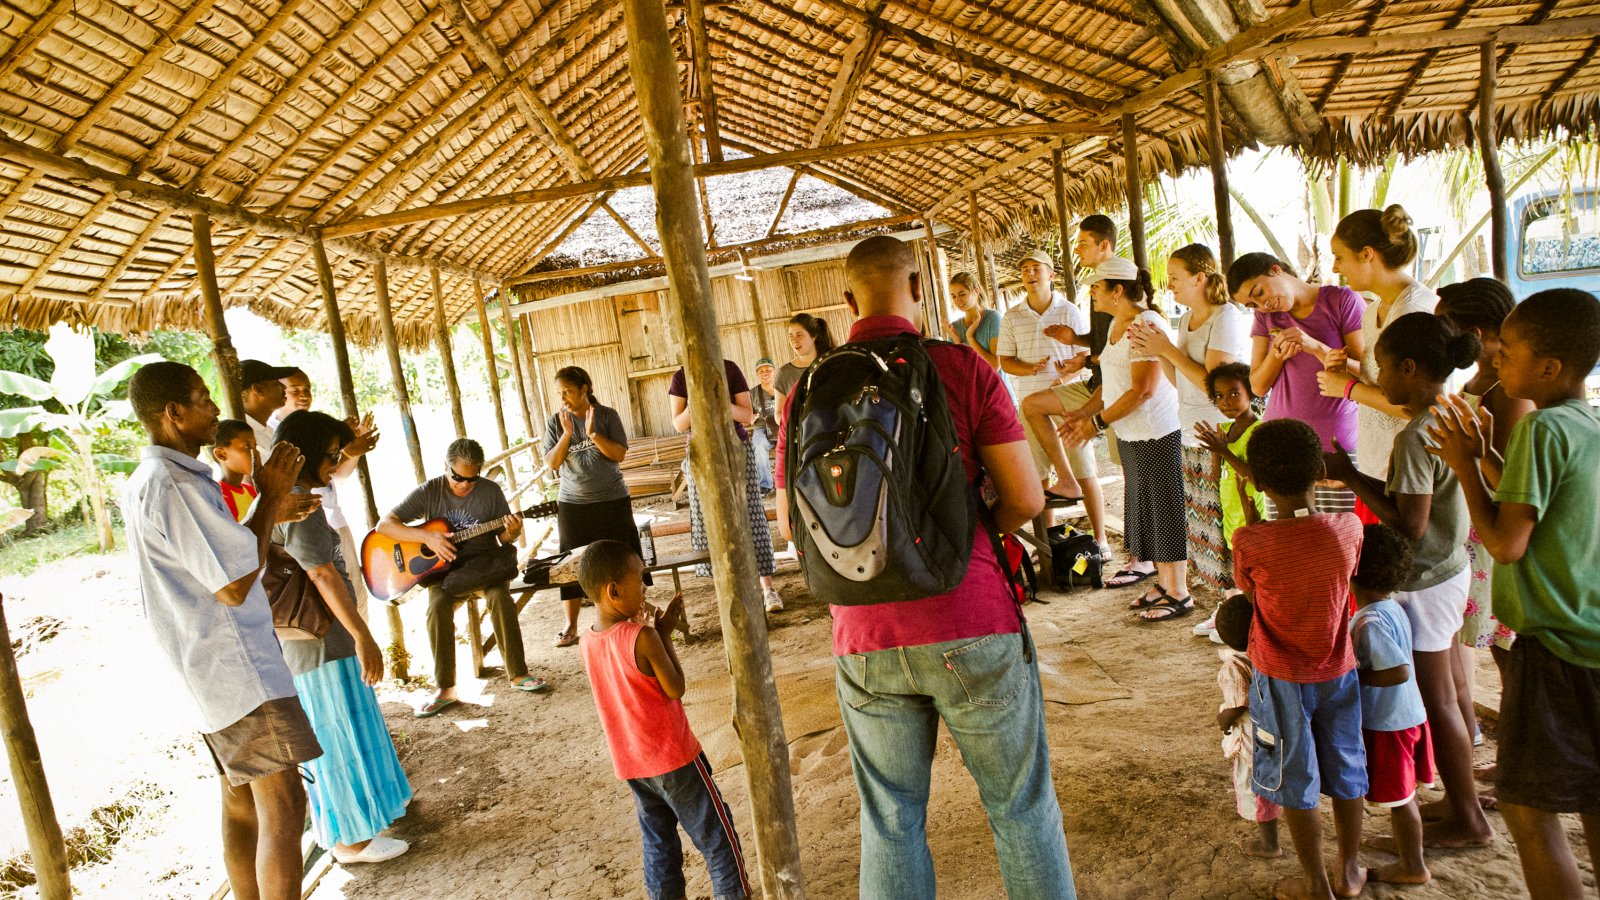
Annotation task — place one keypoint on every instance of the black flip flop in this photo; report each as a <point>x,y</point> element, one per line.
<point>1175,607</point>
<point>1132,576</point>
<point>1145,601</point>
<point>1052,498</point>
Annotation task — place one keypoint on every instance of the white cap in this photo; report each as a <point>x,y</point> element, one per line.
<point>1114,269</point>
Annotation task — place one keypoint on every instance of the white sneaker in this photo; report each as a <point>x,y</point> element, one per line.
<point>772,600</point>
<point>378,849</point>
<point>1208,627</point>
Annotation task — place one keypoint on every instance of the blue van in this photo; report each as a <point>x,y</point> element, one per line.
<point>1554,242</point>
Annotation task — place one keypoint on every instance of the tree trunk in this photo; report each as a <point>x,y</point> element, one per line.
<point>32,488</point>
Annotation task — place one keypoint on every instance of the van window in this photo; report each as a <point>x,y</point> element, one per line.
<point>1561,234</point>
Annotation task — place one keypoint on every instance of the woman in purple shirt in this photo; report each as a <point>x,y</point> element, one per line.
<point>1296,325</point>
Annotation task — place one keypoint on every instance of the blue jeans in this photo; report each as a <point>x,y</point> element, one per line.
<point>763,450</point>
<point>689,797</point>
<point>987,692</point>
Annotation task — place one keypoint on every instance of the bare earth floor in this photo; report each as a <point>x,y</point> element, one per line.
<point>515,794</point>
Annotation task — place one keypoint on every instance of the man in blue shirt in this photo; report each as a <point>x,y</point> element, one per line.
<point>199,578</point>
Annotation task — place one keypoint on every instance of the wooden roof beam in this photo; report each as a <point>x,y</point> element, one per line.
<point>535,112</point>
<point>1235,49</point>
<point>427,150</point>
<point>1045,151</point>
<point>707,170</point>
<point>859,59</point>
<point>1573,28</point>
<point>978,62</point>
<point>342,103</point>
<point>700,51</point>
<point>127,187</point>
<point>332,158</point>
<point>283,94</point>
<point>38,30</point>
<point>628,229</point>
<point>219,85</point>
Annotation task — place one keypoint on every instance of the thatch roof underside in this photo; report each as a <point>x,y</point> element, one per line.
<point>318,112</point>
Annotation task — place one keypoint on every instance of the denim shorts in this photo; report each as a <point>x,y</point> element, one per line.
<point>1307,740</point>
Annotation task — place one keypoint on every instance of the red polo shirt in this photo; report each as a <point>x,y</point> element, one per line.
<point>983,604</point>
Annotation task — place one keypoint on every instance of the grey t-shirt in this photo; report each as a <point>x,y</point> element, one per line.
<point>432,500</point>
<point>313,543</point>
<point>787,376</point>
<point>1442,550</point>
<point>587,475</point>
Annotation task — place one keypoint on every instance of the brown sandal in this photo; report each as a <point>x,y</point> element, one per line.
<point>566,638</point>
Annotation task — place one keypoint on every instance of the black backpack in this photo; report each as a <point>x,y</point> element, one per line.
<point>878,497</point>
<point>1075,556</point>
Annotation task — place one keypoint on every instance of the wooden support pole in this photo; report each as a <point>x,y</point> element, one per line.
<point>1068,234</point>
<point>1130,165</point>
<point>222,352</point>
<point>940,288</point>
<point>715,451</point>
<point>1219,171</point>
<point>975,233</point>
<point>397,372</point>
<point>447,355</point>
<point>399,660</point>
<point>494,371</point>
<point>783,204</point>
<point>534,368</point>
<point>763,341</point>
<point>512,351</point>
<point>50,863</point>
<point>994,276</point>
<point>1489,147</point>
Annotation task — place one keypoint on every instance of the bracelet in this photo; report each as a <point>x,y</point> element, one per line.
<point>1098,423</point>
<point>1350,386</point>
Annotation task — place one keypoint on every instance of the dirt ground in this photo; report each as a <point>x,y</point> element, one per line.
<point>515,794</point>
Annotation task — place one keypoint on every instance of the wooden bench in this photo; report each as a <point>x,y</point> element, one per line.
<point>522,594</point>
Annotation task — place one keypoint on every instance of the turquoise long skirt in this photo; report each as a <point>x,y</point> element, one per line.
<point>356,787</point>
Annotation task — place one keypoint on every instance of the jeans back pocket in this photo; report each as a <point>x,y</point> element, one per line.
<point>991,669</point>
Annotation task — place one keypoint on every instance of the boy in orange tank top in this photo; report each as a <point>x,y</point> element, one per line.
<point>638,688</point>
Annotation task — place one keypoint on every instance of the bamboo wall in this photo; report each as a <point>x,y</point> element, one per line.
<point>626,345</point>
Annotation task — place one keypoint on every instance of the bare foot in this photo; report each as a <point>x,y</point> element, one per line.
<point>1486,772</point>
<point>1296,888</point>
<point>1398,873</point>
<point>1382,843</point>
<point>1451,835</point>
<point>1259,849</point>
<point>1352,887</point>
<point>1488,800</point>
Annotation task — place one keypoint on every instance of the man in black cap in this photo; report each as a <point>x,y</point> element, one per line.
<point>262,394</point>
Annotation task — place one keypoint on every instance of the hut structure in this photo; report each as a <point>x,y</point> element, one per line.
<point>383,168</point>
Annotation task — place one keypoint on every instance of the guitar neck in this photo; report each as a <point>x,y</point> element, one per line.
<point>532,512</point>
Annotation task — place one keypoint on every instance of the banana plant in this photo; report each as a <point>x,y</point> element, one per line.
<point>89,412</point>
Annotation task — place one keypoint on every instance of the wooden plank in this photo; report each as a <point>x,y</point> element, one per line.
<point>1571,28</point>
<point>653,68</point>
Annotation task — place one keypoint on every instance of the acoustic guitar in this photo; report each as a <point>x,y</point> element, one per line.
<point>392,567</point>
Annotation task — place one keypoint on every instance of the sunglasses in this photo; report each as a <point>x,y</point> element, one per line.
<point>463,479</point>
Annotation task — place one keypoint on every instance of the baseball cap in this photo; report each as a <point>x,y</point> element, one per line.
<point>254,371</point>
<point>1114,269</point>
<point>1040,257</point>
<point>765,361</point>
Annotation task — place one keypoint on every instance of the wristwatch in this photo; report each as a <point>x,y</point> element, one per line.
<point>1099,423</point>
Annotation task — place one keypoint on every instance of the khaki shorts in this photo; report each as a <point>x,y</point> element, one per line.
<point>275,736</point>
<point>1079,459</point>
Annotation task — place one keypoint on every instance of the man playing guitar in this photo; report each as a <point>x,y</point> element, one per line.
<point>465,499</point>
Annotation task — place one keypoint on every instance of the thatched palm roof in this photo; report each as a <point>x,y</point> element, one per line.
<point>285,117</point>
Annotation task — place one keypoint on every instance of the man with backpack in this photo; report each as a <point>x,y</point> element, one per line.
<point>885,443</point>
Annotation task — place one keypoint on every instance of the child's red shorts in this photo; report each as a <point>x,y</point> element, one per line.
<point>1397,761</point>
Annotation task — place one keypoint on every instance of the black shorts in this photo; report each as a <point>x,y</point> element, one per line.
<point>1549,732</point>
<point>275,736</point>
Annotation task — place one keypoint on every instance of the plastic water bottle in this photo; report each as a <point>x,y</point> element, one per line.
<point>647,544</point>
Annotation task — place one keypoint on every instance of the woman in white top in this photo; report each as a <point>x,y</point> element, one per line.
<point>1143,404</point>
<point>1373,251</point>
<point>1212,332</point>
